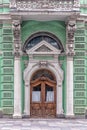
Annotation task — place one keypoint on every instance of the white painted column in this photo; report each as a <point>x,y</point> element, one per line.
<point>59,101</point>
<point>69,89</point>
<point>27,101</point>
<point>17,88</point>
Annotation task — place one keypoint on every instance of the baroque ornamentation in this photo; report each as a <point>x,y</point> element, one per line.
<point>43,64</point>
<point>76,3</point>
<point>71,28</point>
<point>54,5</point>
<point>16,29</point>
<point>13,4</point>
<point>17,44</point>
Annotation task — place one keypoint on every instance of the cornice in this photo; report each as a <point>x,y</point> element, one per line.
<point>82,17</point>
<point>83,6</point>
<point>5,16</point>
<point>4,5</point>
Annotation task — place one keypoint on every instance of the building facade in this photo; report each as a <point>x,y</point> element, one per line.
<point>43,58</point>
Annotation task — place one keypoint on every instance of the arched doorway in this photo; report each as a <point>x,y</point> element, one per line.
<point>43,94</point>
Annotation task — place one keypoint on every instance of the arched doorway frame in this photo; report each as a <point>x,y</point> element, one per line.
<point>57,71</point>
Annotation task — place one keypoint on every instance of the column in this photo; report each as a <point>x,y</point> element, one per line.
<point>70,30</point>
<point>69,91</point>
<point>59,102</point>
<point>17,70</point>
<point>27,101</point>
<point>17,88</point>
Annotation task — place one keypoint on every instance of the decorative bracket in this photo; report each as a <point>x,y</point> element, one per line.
<point>71,28</point>
<point>43,64</point>
<point>17,40</point>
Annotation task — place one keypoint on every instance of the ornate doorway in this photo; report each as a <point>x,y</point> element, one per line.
<point>43,78</point>
<point>43,95</point>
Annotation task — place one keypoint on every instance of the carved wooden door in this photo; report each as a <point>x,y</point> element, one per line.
<point>43,98</point>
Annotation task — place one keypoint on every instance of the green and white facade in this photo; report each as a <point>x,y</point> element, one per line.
<point>63,20</point>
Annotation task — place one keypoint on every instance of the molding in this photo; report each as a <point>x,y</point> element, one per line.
<point>43,49</point>
<point>5,16</point>
<point>83,6</point>
<point>4,5</point>
<point>56,70</point>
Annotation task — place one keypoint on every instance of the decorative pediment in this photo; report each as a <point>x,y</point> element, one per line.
<point>43,48</point>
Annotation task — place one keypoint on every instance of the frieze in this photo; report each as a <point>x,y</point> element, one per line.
<point>43,5</point>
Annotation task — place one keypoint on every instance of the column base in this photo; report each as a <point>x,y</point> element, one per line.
<point>60,116</point>
<point>17,116</point>
<point>25,116</point>
<point>70,116</point>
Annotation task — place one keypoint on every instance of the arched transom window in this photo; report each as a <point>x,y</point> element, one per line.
<point>43,36</point>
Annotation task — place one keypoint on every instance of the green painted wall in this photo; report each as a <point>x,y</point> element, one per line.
<point>82,9</point>
<point>55,27</point>
<point>80,71</point>
<point>4,9</point>
<point>6,69</point>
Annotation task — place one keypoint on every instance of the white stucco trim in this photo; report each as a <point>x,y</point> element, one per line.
<point>57,71</point>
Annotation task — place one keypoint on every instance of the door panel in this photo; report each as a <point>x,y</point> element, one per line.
<point>36,110</point>
<point>43,98</point>
<point>36,101</point>
<point>49,102</point>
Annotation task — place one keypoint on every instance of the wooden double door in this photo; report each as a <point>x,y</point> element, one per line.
<point>43,98</point>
